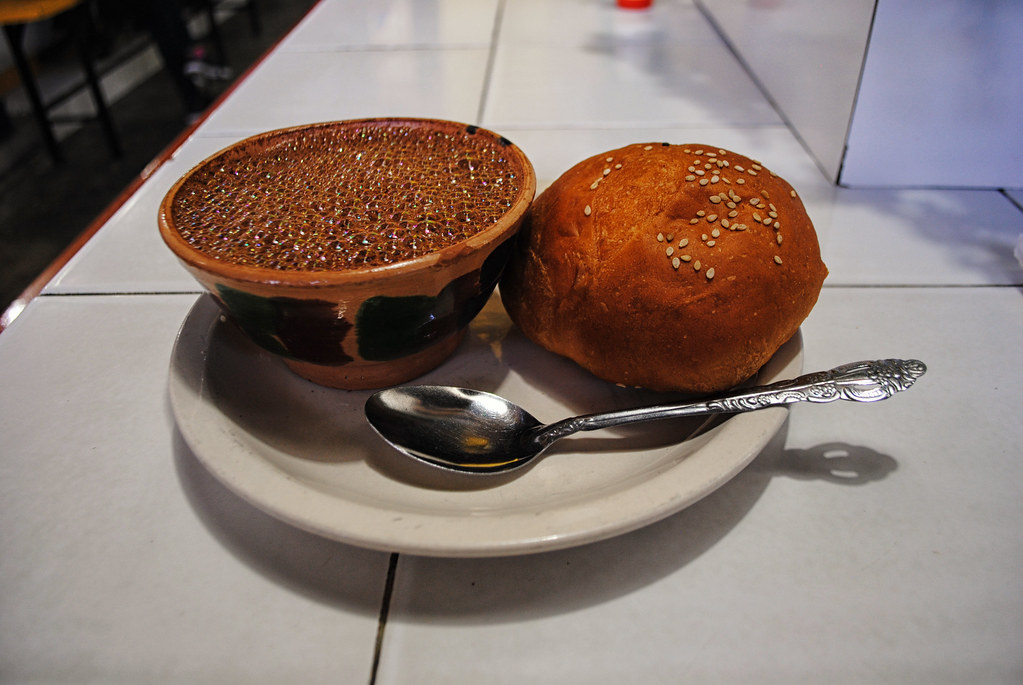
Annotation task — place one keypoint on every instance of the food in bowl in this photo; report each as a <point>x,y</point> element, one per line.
<point>669,267</point>
<point>358,250</point>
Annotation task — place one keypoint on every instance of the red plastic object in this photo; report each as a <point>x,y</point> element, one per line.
<point>635,4</point>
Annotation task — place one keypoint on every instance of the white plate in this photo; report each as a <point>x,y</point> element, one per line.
<point>305,454</point>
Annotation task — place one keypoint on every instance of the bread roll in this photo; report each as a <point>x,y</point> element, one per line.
<point>669,267</point>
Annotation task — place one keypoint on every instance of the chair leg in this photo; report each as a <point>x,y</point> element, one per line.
<point>15,34</point>
<point>214,32</point>
<point>254,22</point>
<point>102,111</point>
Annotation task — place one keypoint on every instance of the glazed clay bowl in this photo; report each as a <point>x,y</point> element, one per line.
<point>358,251</point>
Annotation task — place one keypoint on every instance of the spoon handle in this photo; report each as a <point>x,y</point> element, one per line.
<point>866,381</point>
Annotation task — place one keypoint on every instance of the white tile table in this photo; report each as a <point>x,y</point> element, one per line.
<point>865,543</point>
<point>123,559</point>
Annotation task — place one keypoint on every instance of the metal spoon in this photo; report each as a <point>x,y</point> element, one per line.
<point>477,432</point>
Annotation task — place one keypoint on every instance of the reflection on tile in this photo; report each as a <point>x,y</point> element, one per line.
<point>613,72</point>
<point>300,88</point>
<point>346,24</point>
<point>579,23</point>
<point>919,237</point>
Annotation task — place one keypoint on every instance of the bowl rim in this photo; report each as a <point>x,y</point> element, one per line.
<point>268,276</point>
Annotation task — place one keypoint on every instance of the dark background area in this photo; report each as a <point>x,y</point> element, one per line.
<point>45,206</point>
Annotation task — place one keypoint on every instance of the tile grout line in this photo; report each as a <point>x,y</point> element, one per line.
<point>1007,195</point>
<point>385,606</point>
<point>121,293</point>
<point>491,58</point>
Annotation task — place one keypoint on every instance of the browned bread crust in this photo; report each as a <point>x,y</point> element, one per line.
<point>670,267</point>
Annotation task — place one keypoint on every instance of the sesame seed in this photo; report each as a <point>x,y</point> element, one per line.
<point>726,180</point>
<point>767,221</point>
<point>777,259</point>
<point>767,195</point>
<point>740,181</point>
<point>700,212</point>
<point>773,208</point>
<point>587,210</point>
<point>696,265</point>
<point>686,257</point>
<point>699,172</point>
<point>683,242</point>
<point>711,243</point>
<point>715,199</point>
<point>607,171</point>
<point>730,205</point>
<point>618,166</point>
<point>703,181</point>
<point>739,168</point>
<point>690,177</point>
<point>757,217</point>
<point>670,237</point>
<point>725,223</point>
<point>676,263</point>
<point>694,221</point>
<point>792,193</point>
<point>712,218</point>
<point>712,154</point>
<point>699,152</point>
<point>691,168</point>
<point>649,147</point>
<point>773,215</point>
<point>778,238</point>
<point>777,225</point>
<point>715,178</point>
<point>670,251</point>
<point>732,214</point>
<point>594,185</point>
<point>710,273</point>
<point>704,236</point>
<point>758,167</point>
<point>751,172</point>
<point>660,237</point>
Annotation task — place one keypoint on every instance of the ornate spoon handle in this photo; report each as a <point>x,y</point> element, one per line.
<point>867,381</point>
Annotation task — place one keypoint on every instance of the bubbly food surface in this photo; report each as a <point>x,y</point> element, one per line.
<point>347,196</point>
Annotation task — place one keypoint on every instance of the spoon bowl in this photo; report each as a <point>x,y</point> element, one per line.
<point>470,431</point>
<point>457,428</point>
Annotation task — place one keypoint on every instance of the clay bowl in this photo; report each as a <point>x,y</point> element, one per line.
<point>358,251</point>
